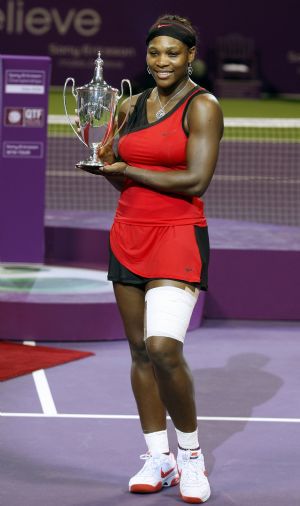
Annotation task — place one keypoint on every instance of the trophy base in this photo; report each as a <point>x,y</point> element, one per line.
<point>91,167</point>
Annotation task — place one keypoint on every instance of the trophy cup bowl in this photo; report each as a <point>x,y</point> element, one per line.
<point>96,104</point>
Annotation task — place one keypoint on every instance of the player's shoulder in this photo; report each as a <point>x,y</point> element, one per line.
<point>204,100</point>
<point>203,112</point>
<point>204,104</point>
<point>129,103</point>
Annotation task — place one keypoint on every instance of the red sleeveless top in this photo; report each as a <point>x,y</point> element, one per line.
<point>150,225</point>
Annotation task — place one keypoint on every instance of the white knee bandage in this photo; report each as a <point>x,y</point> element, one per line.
<point>168,311</point>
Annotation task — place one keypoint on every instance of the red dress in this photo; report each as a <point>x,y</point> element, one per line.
<point>153,234</point>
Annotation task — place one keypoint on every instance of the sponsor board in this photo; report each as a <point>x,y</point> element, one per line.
<point>17,149</point>
<point>24,81</point>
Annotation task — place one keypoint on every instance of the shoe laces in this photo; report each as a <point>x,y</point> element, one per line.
<point>151,464</point>
<point>192,468</point>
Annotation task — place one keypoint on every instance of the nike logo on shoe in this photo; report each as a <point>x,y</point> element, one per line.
<point>164,475</point>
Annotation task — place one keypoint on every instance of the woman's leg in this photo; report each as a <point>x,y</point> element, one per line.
<point>160,377</point>
<point>168,315</point>
<point>131,304</point>
<point>174,380</point>
<point>173,374</point>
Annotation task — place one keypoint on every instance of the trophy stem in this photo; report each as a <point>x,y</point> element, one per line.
<point>95,158</point>
<point>93,164</point>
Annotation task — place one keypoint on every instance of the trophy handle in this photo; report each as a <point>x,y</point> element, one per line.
<point>74,93</point>
<point>128,110</point>
<point>108,137</point>
<point>127,114</point>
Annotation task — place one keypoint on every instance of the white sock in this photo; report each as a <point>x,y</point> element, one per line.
<point>157,442</point>
<point>187,440</point>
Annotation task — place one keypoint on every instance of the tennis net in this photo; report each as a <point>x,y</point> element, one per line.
<point>257,176</point>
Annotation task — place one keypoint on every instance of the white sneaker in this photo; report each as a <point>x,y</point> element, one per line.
<point>158,471</point>
<point>194,485</point>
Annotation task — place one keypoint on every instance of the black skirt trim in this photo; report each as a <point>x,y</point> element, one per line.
<point>202,239</point>
<point>118,273</point>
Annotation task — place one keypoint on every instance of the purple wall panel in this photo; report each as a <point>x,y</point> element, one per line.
<point>23,127</point>
<point>251,284</point>
<point>60,322</point>
<point>71,245</point>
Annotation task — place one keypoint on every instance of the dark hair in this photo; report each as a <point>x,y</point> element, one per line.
<point>185,22</point>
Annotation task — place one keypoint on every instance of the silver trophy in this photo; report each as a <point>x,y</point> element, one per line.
<point>96,108</point>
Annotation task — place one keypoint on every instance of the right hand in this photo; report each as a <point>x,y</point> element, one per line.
<point>106,154</point>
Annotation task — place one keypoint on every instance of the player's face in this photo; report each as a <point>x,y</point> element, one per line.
<point>168,60</point>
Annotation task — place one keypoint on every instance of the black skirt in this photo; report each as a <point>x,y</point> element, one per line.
<point>118,273</point>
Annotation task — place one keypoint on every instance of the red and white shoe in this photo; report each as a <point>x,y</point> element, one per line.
<point>194,485</point>
<point>158,471</point>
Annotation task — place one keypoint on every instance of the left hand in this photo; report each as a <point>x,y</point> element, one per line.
<point>117,168</point>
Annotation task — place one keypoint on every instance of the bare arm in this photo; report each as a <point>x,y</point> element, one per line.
<point>205,124</point>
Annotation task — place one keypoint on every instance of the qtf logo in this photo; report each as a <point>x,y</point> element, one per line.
<point>24,117</point>
<point>15,19</point>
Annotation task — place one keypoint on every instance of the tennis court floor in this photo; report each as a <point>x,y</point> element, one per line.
<point>77,439</point>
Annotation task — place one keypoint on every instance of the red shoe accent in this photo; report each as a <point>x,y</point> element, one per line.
<point>146,489</point>
<point>164,475</point>
<point>191,500</point>
<point>175,481</point>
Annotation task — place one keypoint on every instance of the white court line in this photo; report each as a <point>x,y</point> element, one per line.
<point>43,389</point>
<point>136,417</point>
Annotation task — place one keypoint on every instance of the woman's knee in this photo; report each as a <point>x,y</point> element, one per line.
<point>165,353</point>
<point>138,350</point>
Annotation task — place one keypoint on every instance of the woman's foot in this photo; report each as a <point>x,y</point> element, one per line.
<point>159,471</point>
<point>194,485</point>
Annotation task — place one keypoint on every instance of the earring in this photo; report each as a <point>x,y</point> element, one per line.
<point>148,70</point>
<point>190,69</point>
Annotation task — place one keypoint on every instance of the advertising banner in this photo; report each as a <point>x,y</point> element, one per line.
<point>24,83</point>
<point>72,33</point>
